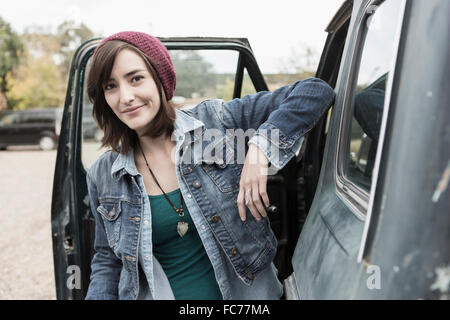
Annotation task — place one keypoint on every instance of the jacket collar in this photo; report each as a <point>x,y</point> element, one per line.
<point>183,124</point>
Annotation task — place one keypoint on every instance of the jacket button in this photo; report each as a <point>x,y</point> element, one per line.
<point>251,276</point>
<point>189,169</point>
<point>215,219</point>
<point>197,184</point>
<point>234,251</point>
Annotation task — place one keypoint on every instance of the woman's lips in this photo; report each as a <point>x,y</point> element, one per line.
<point>133,110</point>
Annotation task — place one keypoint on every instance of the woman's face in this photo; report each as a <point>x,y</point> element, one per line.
<point>131,91</point>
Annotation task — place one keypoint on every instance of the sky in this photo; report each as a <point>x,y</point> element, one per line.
<point>275,29</point>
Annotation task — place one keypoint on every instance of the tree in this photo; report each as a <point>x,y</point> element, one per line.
<point>194,74</point>
<point>41,78</point>
<point>225,89</point>
<point>37,82</point>
<point>10,49</point>
<point>70,37</point>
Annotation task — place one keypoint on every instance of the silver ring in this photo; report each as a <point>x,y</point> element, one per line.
<point>248,196</point>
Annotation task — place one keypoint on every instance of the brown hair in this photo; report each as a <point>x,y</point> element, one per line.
<point>118,135</point>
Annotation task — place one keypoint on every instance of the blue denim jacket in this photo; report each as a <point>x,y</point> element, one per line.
<point>208,172</point>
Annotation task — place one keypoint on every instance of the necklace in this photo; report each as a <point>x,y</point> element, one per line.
<point>182,226</point>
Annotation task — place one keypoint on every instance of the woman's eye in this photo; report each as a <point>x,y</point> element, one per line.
<point>108,87</point>
<point>137,78</point>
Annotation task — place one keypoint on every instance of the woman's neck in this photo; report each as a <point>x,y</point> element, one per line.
<point>159,146</point>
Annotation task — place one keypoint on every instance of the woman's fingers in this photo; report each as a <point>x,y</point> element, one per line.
<point>258,203</point>
<point>253,198</point>
<point>241,203</point>
<point>253,185</point>
<point>251,204</point>
<point>263,191</point>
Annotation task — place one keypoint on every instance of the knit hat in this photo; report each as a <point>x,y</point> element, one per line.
<point>156,51</point>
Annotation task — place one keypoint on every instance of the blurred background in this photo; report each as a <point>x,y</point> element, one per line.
<point>37,42</point>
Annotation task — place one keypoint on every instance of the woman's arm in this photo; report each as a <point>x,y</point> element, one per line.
<point>105,266</point>
<point>281,118</point>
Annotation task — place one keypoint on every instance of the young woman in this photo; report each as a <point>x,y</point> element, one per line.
<point>180,209</point>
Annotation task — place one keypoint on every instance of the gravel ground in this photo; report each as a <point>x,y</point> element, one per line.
<point>26,263</point>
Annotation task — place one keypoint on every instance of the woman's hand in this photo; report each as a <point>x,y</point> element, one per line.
<point>253,184</point>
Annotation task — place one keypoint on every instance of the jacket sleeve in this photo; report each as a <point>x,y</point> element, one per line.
<point>280,118</point>
<point>105,266</point>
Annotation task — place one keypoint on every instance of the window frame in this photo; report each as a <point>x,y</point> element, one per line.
<point>354,196</point>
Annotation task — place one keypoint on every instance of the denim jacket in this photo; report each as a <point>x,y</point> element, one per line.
<point>208,170</point>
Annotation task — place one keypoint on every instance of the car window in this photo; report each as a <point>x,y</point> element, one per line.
<point>369,92</point>
<point>201,75</point>
<point>91,134</point>
<point>38,117</point>
<point>206,74</point>
<point>9,118</point>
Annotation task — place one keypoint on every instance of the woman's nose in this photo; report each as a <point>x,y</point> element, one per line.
<point>126,94</point>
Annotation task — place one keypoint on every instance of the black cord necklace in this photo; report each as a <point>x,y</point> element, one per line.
<point>182,226</point>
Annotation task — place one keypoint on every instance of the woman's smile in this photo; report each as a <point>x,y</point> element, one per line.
<point>133,110</point>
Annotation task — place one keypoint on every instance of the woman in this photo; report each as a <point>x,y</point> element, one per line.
<point>176,215</point>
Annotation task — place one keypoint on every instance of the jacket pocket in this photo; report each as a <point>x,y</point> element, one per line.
<point>110,211</point>
<point>219,163</point>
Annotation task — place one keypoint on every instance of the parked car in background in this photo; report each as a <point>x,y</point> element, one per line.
<point>91,130</point>
<point>30,127</point>
<point>363,211</point>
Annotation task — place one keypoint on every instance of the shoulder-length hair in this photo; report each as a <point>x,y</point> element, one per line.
<point>117,134</point>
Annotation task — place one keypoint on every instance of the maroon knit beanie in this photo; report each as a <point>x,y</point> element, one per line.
<point>156,51</point>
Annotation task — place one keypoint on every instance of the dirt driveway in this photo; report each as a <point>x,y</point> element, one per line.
<point>26,258</point>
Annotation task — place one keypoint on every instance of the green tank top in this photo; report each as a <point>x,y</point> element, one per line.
<point>184,260</point>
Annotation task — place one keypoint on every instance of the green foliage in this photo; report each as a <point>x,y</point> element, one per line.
<point>70,37</point>
<point>225,88</point>
<point>38,84</point>
<point>194,74</point>
<point>40,73</point>
<point>10,49</point>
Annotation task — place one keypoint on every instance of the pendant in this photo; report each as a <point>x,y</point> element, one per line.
<point>182,228</point>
